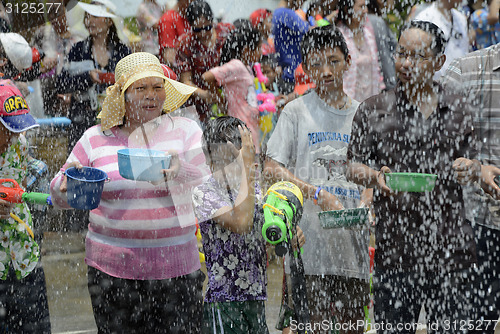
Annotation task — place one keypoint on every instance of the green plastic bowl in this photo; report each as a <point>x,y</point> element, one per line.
<point>343,218</point>
<point>410,182</point>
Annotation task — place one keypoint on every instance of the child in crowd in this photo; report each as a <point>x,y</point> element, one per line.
<point>269,66</point>
<point>23,294</point>
<point>271,70</point>
<point>309,148</point>
<point>226,206</point>
<point>240,51</point>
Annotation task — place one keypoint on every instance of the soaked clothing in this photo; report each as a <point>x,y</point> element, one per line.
<point>418,231</point>
<point>170,306</point>
<point>18,250</point>
<point>87,96</point>
<point>336,296</point>
<point>400,294</point>
<point>236,263</point>
<point>23,293</point>
<point>311,140</point>
<point>477,76</point>
<point>141,231</point>
<point>24,306</point>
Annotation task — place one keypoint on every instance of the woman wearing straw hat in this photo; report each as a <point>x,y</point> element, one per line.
<point>141,249</point>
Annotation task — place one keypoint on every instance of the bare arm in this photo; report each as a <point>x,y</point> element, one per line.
<point>212,92</point>
<point>239,219</point>
<point>274,172</point>
<point>492,17</point>
<point>187,78</point>
<point>366,197</point>
<point>168,55</point>
<point>368,177</point>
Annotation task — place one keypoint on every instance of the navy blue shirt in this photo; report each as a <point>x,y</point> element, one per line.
<point>288,30</point>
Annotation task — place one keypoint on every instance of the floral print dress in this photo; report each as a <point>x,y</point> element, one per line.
<point>236,263</point>
<point>17,247</point>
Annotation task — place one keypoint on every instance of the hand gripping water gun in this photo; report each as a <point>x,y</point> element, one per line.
<point>282,213</point>
<point>16,194</point>
<point>267,105</point>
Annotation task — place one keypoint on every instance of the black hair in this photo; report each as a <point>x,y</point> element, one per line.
<point>346,10</point>
<point>197,9</point>
<point>237,40</point>
<point>374,7</point>
<point>438,44</point>
<point>222,130</point>
<point>113,38</point>
<point>269,59</point>
<point>323,37</point>
<point>242,23</point>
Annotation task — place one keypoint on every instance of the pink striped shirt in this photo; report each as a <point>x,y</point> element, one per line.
<point>140,230</point>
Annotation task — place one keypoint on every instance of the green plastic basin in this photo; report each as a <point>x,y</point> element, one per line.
<point>410,182</point>
<point>343,218</point>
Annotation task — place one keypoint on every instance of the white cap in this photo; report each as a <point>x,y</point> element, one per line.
<point>17,49</point>
<point>99,10</point>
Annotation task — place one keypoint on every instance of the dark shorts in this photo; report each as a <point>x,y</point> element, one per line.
<point>157,306</point>
<point>337,298</point>
<point>400,294</point>
<point>23,303</point>
<point>485,283</point>
<point>235,318</point>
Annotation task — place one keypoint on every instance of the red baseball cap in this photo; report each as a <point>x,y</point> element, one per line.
<point>259,15</point>
<point>14,111</point>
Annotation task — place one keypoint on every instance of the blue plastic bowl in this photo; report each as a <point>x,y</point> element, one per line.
<point>85,187</point>
<point>142,164</point>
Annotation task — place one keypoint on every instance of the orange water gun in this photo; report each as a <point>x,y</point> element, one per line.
<point>16,194</point>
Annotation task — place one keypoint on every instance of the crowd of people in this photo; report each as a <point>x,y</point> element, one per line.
<point>320,93</point>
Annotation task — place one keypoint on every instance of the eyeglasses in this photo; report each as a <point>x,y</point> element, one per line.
<point>200,29</point>
<point>413,58</point>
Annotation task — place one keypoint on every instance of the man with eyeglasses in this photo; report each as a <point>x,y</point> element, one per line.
<point>477,76</point>
<point>424,244</point>
<point>453,23</point>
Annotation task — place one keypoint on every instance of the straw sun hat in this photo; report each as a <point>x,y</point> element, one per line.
<point>129,69</point>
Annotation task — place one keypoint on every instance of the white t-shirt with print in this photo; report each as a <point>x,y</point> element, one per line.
<point>311,140</point>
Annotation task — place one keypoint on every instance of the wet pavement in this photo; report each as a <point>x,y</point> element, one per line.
<point>69,301</point>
